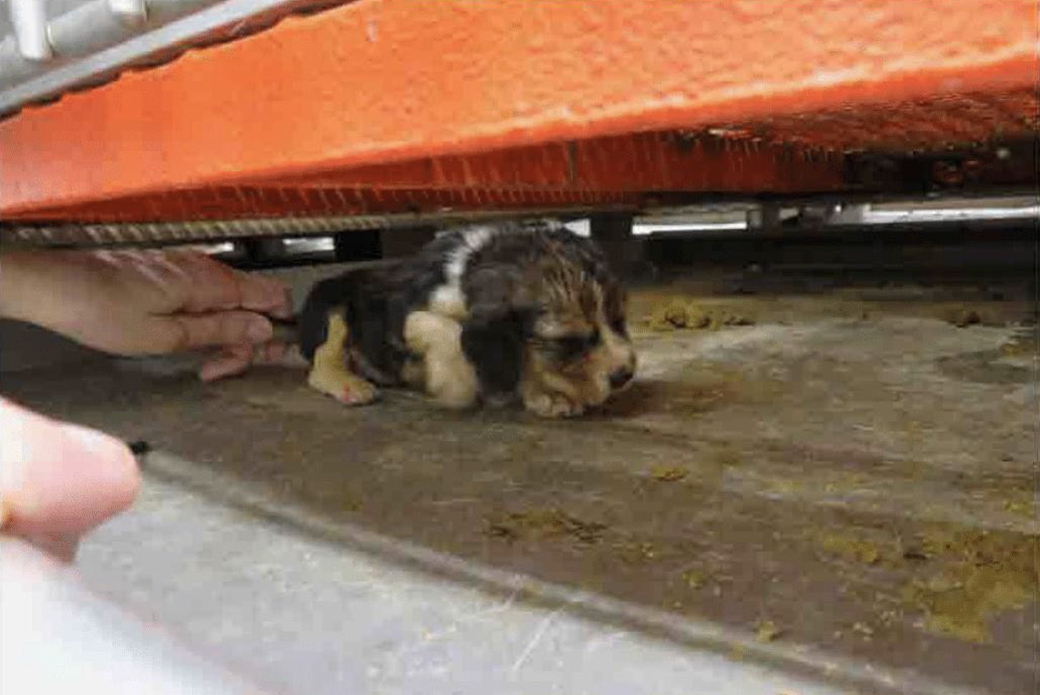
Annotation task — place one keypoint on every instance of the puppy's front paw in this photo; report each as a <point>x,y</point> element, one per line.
<point>357,392</point>
<point>552,405</point>
<point>348,389</point>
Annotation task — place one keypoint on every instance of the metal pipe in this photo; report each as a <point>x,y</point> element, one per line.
<point>92,27</point>
<point>29,20</point>
<point>88,29</point>
<point>133,11</point>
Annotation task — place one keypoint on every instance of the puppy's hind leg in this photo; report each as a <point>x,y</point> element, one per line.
<point>329,373</point>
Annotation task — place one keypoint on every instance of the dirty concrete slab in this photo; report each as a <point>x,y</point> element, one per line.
<point>853,478</point>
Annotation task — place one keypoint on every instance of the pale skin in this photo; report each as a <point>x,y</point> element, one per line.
<point>58,480</point>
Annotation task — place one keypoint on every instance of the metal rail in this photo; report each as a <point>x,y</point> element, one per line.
<point>149,233</point>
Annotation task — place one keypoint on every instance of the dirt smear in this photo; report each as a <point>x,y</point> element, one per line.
<point>536,524</point>
<point>959,579</point>
<point>984,573</point>
<point>679,314</point>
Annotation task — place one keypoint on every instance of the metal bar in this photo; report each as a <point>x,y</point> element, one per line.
<point>92,27</point>
<point>30,28</point>
<point>91,235</point>
<point>134,10</point>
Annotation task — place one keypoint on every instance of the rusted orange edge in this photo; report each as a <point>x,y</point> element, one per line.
<point>380,81</point>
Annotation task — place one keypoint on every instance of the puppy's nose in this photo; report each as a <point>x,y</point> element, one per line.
<point>621,377</point>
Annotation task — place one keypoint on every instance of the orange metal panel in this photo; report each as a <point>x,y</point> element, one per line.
<point>950,119</point>
<point>380,81</point>
<point>600,171</point>
<point>669,160</point>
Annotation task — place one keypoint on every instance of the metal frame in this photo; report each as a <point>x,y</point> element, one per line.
<point>42,59</point>
<point>52,235</point>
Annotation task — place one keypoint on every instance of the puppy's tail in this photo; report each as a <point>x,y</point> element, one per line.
<point>308,329</point>
<point>286,341</point>
<point>287,330</point>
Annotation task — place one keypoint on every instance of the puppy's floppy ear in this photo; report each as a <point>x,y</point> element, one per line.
<point>493,342</point>
<point>501,319</point>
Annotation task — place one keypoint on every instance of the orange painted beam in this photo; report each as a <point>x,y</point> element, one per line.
<point>658,160</point>
<point>614,171</point>
<point>380,81</point>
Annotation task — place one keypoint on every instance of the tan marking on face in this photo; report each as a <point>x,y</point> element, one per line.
<point>443,370</point>
<point>329,373</point>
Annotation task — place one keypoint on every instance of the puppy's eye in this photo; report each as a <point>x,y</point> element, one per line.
<point>572,347</point>
<point>619,326</point>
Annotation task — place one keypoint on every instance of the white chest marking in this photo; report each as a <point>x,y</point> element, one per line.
<point>448,299</point>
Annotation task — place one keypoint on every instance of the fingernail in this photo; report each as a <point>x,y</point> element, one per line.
<point>281,302</point>
<point>259,330</point>
<point>209,372</point>
<point>92,440</point>
<point>218,369</point>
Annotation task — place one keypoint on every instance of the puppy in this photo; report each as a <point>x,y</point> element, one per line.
<point>483,314</point>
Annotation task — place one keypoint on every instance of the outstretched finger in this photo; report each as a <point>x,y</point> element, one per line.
<point>237,359</point>
<point>228,362</point>
<point>219,329</point>
<point>264,294</point>
<point>210,284</point>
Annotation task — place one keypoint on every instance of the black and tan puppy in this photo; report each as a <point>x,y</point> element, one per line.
<point>483,314</point>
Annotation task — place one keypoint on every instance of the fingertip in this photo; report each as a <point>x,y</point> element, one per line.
<point>221,329</point>
<point>259,329</point>
<point>283,307</point>
<point>227,363</point>
<point>114,476</point>
<point>61,479</point>
<point>209,372</point>
<point>266,294</point>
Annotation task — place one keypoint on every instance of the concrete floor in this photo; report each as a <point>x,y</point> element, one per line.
<point>837,496</point>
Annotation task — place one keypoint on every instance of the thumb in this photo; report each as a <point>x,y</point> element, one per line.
<point>58,478</point>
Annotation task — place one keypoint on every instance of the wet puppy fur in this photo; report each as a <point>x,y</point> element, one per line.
<point>485,314</point>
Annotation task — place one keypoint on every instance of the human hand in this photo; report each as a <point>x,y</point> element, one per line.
<point>58,480</point>
<point>147,302</point>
